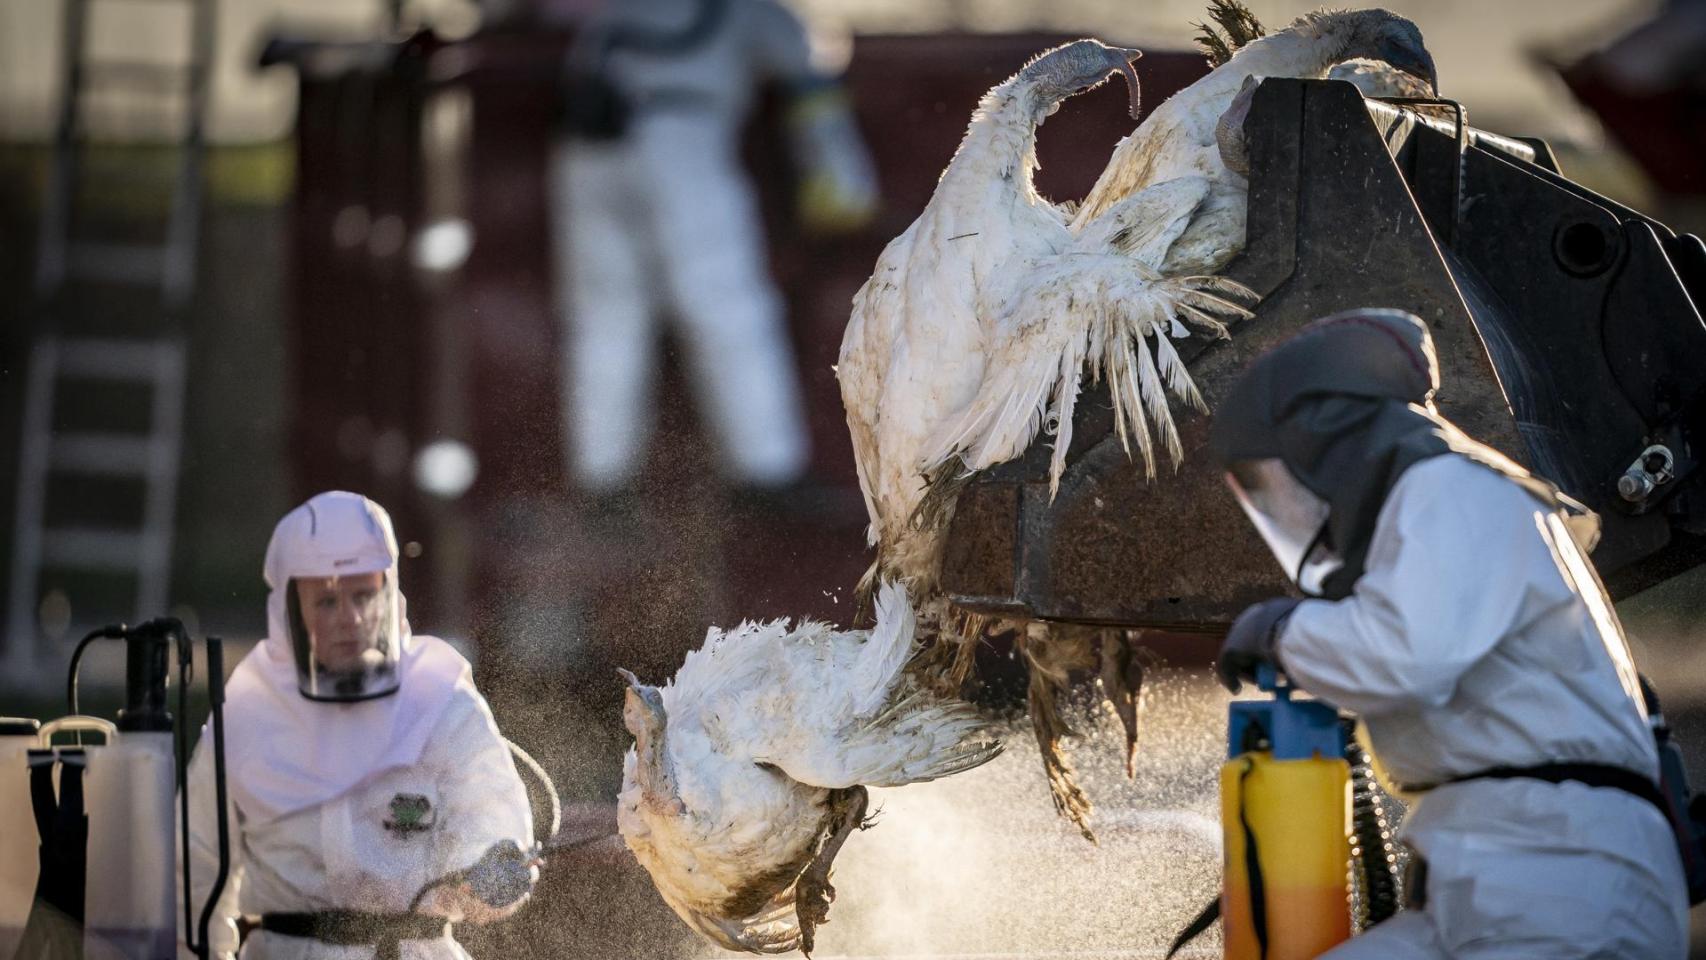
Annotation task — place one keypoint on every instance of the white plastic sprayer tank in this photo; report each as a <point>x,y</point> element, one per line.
<point>129,902</point>
<point>128,793</point>
<point>18,862</point>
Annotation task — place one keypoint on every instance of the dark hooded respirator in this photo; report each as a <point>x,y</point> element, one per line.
<point>1315,434</point>
<point>1317,430</point>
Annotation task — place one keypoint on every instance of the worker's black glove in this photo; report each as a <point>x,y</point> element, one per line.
<point>1250,642</point>
<point>503,876</point>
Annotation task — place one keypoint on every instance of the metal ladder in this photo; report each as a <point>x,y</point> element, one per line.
<point>60,362</point>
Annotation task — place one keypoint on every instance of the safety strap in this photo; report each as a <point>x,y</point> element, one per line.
<point>43,803</point>
<point>383,931</point>
<point>1592,774</point>
<point>63,827</point>
<point>1252,870</point>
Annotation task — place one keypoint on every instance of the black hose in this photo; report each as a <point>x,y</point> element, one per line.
<point>454,877</point>
<point>110,632</point>
<point>1375,856</point>
<point>216,720</point>
<point>186,659</point>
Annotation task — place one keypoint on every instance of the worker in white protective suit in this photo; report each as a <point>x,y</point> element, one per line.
<point>1453,609</point>
<point>655,216</point>
<point>372,800</point>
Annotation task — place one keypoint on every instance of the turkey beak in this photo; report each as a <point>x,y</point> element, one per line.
<point>1429,73</point>
<point>1133,88</point>
<point>642,711</point>
<point>1416,63</point>
<point>632,708</point>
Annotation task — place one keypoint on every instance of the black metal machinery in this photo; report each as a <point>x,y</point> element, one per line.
<point>1569,335</point>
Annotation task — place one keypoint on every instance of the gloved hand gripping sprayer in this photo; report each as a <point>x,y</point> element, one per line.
<point>504,873</point>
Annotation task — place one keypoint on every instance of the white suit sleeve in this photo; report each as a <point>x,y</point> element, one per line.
<point>483,799</point>
<point>204,859</point>
<point>1454,555</point>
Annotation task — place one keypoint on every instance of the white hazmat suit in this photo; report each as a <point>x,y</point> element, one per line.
<point>348,806</point>
<point>663,220</point>
<point>1476,638</point>
<point>1457,615</point>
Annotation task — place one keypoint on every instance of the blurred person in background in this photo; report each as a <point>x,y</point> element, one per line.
<point>654,214</point>
<point>372,798</point>
<point>1664,52</point>
<point>1646,84</point>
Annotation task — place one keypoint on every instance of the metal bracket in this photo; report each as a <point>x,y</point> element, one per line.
<point>1460,134</point>
<point>1655,467</point>
<point>1667,457</point>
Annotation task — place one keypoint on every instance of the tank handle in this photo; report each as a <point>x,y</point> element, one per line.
<point>78,723</point>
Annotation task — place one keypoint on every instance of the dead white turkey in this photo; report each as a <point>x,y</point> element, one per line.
<point>981,321</point>
<point>749,768</point>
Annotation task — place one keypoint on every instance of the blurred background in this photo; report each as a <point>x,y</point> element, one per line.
<point>255,249</point>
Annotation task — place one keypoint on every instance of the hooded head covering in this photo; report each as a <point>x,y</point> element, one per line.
<point>329,538</point>
<point>1347,406</point>
<point>287,752</point>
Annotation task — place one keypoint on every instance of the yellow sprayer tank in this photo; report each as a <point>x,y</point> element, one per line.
<point>1285,812</point>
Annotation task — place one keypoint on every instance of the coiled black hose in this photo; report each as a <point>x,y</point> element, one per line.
<point>1375,856</point>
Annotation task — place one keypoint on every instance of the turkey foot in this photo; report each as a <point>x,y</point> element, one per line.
<point>812,891</point>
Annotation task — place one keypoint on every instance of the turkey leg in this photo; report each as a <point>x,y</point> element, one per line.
<point>812,892</point>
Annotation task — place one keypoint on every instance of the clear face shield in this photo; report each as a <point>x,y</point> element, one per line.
<point>346,632</point>
<point>1290,518</point>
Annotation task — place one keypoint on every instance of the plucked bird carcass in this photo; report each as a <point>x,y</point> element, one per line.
<point>749,768</point>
